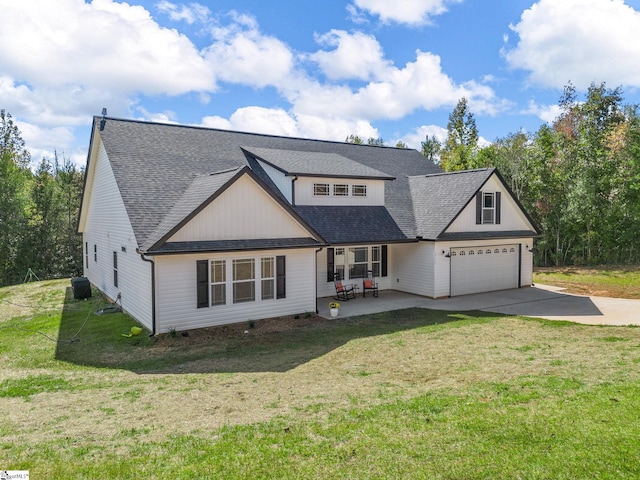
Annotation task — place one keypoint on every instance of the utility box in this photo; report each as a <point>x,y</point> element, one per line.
<point>81,288</point>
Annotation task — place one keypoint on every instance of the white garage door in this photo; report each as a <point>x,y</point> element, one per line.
<point>483,269</point>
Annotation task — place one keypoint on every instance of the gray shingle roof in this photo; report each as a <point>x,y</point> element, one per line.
<point>352,224</point>
<point>435,207</point>
<point>155,165</point>
<point>235,245</point>
<point>322,164</point>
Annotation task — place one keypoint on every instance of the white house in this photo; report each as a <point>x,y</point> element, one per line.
<point>194,227</point>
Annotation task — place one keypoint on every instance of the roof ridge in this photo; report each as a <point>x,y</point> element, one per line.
<point>242,132</point>
<point>439,174</point>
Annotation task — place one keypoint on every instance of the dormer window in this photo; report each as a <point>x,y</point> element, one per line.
<point>359,190</point>
<point>341,190</point>
<point>320,189</point>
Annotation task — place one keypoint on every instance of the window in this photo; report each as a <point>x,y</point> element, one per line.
<point>339,260</point>
<point>472,252</point>
<point>268,277</point>
<point>375,260</point>
<point>115,269</point>
<point>86,254</point>
<point>244,285</point>
<point>218,282</point>
<point>340,190</point>
<point>488,207</point>
<point>358,262</point>
<point>359,190</point>
<point>95,252</point>
<point>497,250</point>
<point>462,252</point>
<point>321,189</point>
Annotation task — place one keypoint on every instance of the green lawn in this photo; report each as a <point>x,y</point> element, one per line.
<point>408,394</point>
<point>619,282</point>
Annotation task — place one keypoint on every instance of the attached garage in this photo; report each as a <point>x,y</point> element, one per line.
<point>484,268</point>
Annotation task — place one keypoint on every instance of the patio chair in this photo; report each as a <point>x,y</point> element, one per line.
<point>369,283</point>
<point>343,292</point>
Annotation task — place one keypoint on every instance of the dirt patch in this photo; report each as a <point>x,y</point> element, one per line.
<point>622,281</point>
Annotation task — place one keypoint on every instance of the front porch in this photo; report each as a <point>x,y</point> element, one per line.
<point>385,301</point>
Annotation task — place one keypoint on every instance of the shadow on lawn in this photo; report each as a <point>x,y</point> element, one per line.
<point>274,345</point>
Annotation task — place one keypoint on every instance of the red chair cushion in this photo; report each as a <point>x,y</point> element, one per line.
<point>368,284</point>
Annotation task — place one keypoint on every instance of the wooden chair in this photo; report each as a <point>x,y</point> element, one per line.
<point>343,292</point>
<point>369,283</point>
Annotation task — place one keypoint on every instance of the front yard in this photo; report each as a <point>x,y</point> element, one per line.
<point>406,394</point>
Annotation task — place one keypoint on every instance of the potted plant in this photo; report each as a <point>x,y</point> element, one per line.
<point>333,308</point>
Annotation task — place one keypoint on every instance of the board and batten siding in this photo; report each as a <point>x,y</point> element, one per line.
<point>176,290</point>
<point>243,211</point>
<point>511,217</point>
<point>303,191</point>
<point>107,228</point>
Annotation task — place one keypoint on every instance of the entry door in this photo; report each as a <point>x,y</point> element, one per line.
<point>484,269</point>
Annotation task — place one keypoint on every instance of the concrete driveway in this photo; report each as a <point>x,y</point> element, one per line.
<point>540,301</point>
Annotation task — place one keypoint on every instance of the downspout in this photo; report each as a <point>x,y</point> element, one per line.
<point>316,281</point>
<point>293,191</point>
<point>153,293</point>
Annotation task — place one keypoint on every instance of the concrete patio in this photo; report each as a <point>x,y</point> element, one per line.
<point>540,301</point>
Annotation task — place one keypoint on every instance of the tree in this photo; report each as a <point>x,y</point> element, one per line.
<point>14,176</point>
<point>431,148</point>
<point>460,148</point>
<point>354,139</point>
<point>401,144</point>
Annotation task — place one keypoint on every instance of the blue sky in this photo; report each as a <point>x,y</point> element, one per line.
<point>314,69</point>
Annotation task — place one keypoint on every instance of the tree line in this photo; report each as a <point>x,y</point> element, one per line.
<point>38,212</point>
<point>578,177</point>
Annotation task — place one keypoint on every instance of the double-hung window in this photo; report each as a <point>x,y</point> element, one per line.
<point>488,207</point>
<point>268,278</point>
<point>218,282</point>
<point>358,262</point>
<point>244,285</point>
<point>115,269</point>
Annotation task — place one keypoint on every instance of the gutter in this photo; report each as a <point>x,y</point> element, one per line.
<point>153,292</point>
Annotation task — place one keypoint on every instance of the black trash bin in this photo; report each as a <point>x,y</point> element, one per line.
<point>81,288</point>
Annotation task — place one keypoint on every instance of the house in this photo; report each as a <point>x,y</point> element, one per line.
<point>193,227</point>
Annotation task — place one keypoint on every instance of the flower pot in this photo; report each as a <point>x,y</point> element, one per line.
<point>333,312</point>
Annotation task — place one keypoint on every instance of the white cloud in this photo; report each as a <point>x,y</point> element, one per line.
<point>547,113</point>
<point>356,56</point>
<point>420,84</point>
<point>243,55</point>
<point>192,13</point>
<point>414,139</point>
<point>581,41</point>
<point>276,121</point>
<point>412,12</point>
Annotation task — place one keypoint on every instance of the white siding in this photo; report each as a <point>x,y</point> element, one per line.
<point>279,179</point>
<point>107,227</point>
<point>511,217</point>
<point>412,268</point>
<point>243,211</point>
<point>303,190</point>
<point>177,296</point>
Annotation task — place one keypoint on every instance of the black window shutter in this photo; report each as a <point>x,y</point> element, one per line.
<point>478,208</point>
<point>281,277</point>
<point>498,208</point>
<point>383,267</point>
<point>202,273</point>
<point>330,264</point>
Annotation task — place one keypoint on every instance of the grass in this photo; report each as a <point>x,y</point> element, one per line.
<point>407,394</point>
<point>618,282</point>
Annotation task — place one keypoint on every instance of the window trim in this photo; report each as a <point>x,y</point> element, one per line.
<point>236,262</point>
<point>321,190</point>
<point>359,190</point>
<point>340,189</point>
<point>214,283</point>
<point>488,209</point>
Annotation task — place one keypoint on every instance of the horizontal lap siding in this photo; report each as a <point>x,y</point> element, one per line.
<point>177,300</point>
<point>108,227</point>
<point>411,270</point>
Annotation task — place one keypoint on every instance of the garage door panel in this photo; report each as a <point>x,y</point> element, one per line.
<point>483,268</point>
